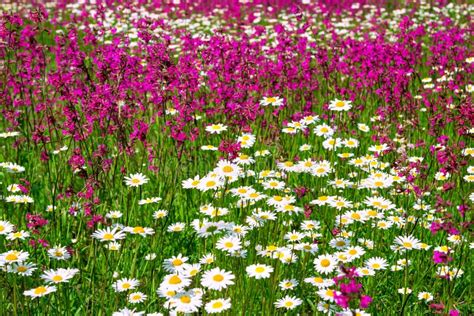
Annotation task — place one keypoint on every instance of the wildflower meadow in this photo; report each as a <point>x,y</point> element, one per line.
<point>252,157</point>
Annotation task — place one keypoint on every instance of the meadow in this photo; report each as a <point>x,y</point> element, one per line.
<point>236,157</point>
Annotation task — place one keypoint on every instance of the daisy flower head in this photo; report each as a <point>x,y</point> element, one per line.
<point>176,227</point>
<point>9,134</point>
<point>175,263</point>
<point>186,302</point>
<point>288,302</point>
<point>216,128</point>
<point>327,294</point>
<point>6,227</point>
<point>125,284</point>
<point>13,167</point>
<point>288,284</point>
<point>325,264</point>
<point>13,256</point>
<point>272,101</point>
<point>340,105</point>
<point>407,243</point>
<point>259,271</point>
<point>191,270</point>
<point>227,169</point>
<point>355,252</point>
<point>262,153</point>
<point>191,183</point>
<point>208,259</point>
<point>23,269</point>
<point>363,127</point>
<point>246,140</point>
<point>40,291</point>
<point>108,234</point>
<point>113,246</point>
<point>210,183</point>
<point>136,180</point>
<point>425,296</point>
<point>139,230</point>
<point>22,234</point>
<point>229,244</point>
<point>376,263</point>
<point>13,188</point>
<point>59,276</point>
<point>149,200</point>
<point>217,279</point>
<point>175,282</point>
<point>323,130</point>
<point>19,199</point>
<point>365,272</point>
<point>218,305</point>
<point>404,291</point>
<point>114,214</point>
<point>320,282</point>
<point>136,297</point>
<point>59,253</point>
<point>160,214</point>
<point>379,148</point>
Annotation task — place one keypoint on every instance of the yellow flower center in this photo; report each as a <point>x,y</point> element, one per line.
<point>227,169</point>
<point>21,269</point>
<point>138,230</point>
<point>57,278</point>
<point>40,290</point>
<point>217,305</point>
<point>325,263</point>
<point>175,280</point>
<point>126,285</point>
<point>185,299</point>
<point>218,277</point>
<point>271,100</point>
<point>210,184</point>
<point>372,213</point>
<point>11,257</point>
<point>177,262</point>
<point>108,236</point>
<point>260,269</point>
<point>340,104</point>
<point>355,216</point>
<point>272,248</point>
